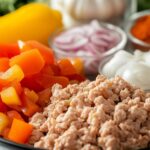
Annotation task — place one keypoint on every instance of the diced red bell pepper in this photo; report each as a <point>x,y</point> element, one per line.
<point>30,82</point>
<point>56,69</point>
<point>47,70</point>
<point>14,114</point>
<point>5,132</point>
<point>3,83</point>
<point>76,77</point>
<point>29,107</point>
<point>32,95</point>
<point>18,87</point>
<point>44,97</point>
<point>4,64</point>
<point>9,50</point>
<point>49,81</point>
<point>3,107</point>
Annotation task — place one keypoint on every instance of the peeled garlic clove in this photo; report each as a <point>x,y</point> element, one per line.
<point>136,73</point>
<point>116,62</point>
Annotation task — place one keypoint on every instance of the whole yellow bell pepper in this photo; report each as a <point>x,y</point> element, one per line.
<point>34,21</point>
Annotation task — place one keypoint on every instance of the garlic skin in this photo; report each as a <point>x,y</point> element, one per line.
<point>68,21</point>
<point>94,9</point>
<point>119,59</point>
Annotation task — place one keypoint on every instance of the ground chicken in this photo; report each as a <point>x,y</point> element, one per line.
<point>105,114</point>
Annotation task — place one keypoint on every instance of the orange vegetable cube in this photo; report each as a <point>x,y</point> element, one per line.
<point>20,131</point>
<point>78,64</point>
<point>44,97</point>
<point>66,67</point>
<point>29,107</point>
<point>4,121</point>
<point>45,51</point>
<point>13,73</point>
<point>4,64</point>
<point>9,96</point>
<point>31,62</point>
<point>33,96</point>
<point>14,114</point>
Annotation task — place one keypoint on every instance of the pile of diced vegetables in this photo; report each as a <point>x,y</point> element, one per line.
<point>27,73</point>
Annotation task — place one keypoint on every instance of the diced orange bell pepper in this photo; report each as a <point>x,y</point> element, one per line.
<point>78,64</point>
<point>29,107</point>
<point>45,51</point>
<point>3,107</point>
<point>14,114</point>
<point>9,96</point>
<point>44,97</point>
<point>33,96</point>
<point>13,73</point>
<point>66,67</point>
<point>31,62</point>
<point>20,131</point>
<point>9,50</point>
<point>4,121</point>
<point>4,64</point>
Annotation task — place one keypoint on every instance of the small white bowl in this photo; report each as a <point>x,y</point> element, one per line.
<point>91,61</point>
<point>137,44</point>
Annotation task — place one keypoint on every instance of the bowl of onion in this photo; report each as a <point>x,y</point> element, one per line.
<point>91,42</point>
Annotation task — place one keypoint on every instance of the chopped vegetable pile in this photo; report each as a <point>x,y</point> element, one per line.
<point>141,29</point>
<point>27,73</point>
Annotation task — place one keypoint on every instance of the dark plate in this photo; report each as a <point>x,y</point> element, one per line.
<point>8,145</point>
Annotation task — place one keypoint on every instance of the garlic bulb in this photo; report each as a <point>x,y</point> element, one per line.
<point>68,21</point>
<point>76,12</point>
<point>94,9</point>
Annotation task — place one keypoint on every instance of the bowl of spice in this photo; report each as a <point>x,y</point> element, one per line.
<point>138,30</point>
<point>91,42</point>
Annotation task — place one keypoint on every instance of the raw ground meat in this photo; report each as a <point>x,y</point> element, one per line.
<point>105,114</point>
